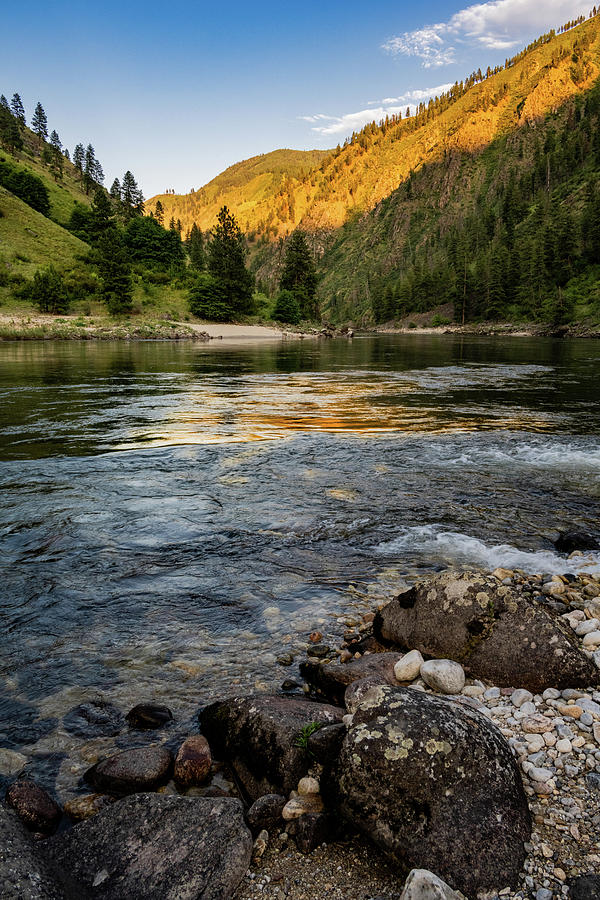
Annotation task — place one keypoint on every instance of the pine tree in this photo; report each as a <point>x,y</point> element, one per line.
<point>4,102</point>
<point>79,157</point>
<point>115,272</point>
<point>195,246</point>
<point>299,274</point>
<point>18,110</point>
<point>55,141</point>
<point>131,195</point>
<point>55,157</point>
<point>115,190</point>
<point>66,154</point>
<point>227,262</point>
<point>89,168</point>
<point>102,212</point>
<point>39,124</point>
<point>159,213</point>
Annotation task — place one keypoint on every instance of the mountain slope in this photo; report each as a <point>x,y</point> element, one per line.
<point>246,187</point>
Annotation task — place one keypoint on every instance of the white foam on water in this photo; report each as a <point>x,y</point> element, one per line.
<point>464,550</point>
<point>547,456</point>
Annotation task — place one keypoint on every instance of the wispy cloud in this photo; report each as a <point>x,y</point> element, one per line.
<point>496,25</point>
<point>377,109</point>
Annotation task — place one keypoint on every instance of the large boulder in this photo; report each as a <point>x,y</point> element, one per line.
<point>24,873</point>
<point>435,785</point>
<point>495,633</point>
<point>264,738</point>
<point>151,846</point>
<point>333,679</point>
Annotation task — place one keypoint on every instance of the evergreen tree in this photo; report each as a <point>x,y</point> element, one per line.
<point>286,308</point>
<point>115,272</point>
<point>102,212</point>
<point>39,124</point>
<point>48,291</point>
<point>115,190</point>
<point>89,168</point>
<point>10,134</point>
<point>131,196</point>
<point>299,274</point>
<point>18,110</point>
<point>66,154</point>
<point>227,262</point>
<point>195,246</point>
<point>4,102</point>
<point>55,141</point>
<point>79,157</point>
<point>159,213</point>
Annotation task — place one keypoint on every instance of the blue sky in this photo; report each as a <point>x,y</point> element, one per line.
<point>177,92</point>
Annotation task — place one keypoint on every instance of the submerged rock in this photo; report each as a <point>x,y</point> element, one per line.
<point>434,784</point>
<point>495,633</point>
<point>332,680</point>
<point>264,738</point>
<point>96,718</point>
<point>34,806</point>
<point>568,541</point>
<point>80,808</point>
<point>130,771</point>
<point>149,715</point>
<point>151,847</point>
<point>193,762</point>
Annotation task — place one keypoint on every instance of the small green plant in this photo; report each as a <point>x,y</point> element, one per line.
<point>303,735</point>
<point>412,324</point>
<point>439,320</point>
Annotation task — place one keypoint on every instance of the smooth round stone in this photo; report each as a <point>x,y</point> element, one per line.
<point>551,694</point>
<point>149,715</point>
<point>443,675</point>
<point>564,745</point>
<point>409,667</point>
<point>132,770</point>
<point>592,639</point>
<point>520,696</point>
<point>528,708</point>
<point>537,774</point>
<point>492,693</point>
<point>308,786</point>
<point>536,724</point>
<point>193,762</point>
<point>266,811</point>
<point>34,806</point>
<point>585,627</point>
<point>572,712</point>
<point>535,743</point>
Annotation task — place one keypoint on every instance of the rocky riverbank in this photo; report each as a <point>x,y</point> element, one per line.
<point>455,729</point>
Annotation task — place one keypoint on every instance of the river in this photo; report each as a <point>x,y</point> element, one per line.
<point>175,516</point>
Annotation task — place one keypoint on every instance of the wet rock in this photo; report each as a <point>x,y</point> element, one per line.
<point>80,808</point>
<point>264,738</point>
<point>320,651</point>
<point>96,718</point>
<point>586,887</point>
<point>424,885</point>
<point>265,812</point>
<point>568,541</point>
<point>193,762</point>
<point>324,745</point>
<point>150,847</point>
<point>11,762</point>
<point>130,771</point>
<point>495,633</point>
<point>34,806</point>
<point>286,659</point>
<point>288,685</point>
<point>149,715</point>
<point>443,675</point>
<point>21,724</point>
<point>434,783</point>
<point>332,680</point>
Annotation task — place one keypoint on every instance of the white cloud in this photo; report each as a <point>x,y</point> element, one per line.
<point>496,25</point>
<point>378,109</point>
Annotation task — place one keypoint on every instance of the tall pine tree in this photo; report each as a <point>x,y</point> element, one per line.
<point>39,124</point>
<point>18,110</point>
<point>299,274</point>
<point>227,262</point>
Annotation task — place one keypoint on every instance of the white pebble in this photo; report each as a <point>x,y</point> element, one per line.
<point>520,696</point>
<point>408,668</point>
<point>443,675</point>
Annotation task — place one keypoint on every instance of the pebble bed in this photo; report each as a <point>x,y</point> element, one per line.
<point>555,738</point>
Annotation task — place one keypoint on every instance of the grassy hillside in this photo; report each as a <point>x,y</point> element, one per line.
<point>247,187</point>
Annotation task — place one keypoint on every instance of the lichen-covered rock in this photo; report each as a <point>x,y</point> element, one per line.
<point>130,771</point>
<point>34,806</point>
<point>152,847</point>
<point>435,785</point>
<point>332,680</point>
<point>495,633</point>
<point>262,738</point>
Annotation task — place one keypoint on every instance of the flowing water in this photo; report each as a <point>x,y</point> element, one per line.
<point>175,516</point>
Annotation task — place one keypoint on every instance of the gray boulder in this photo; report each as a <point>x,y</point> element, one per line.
<point>424,885</point>
<point>130,771</point>
<point>333,679</point>
<point>24,873</point>
<point>262,738</point>
<point>434,784</point>
<point>495,633</point>
<point>153,847</point>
